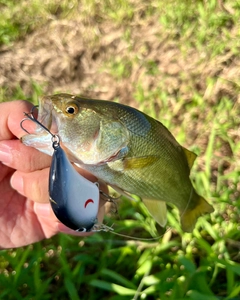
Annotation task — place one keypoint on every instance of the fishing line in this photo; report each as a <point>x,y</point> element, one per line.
<point>140,239</point>
<point>186,207</point>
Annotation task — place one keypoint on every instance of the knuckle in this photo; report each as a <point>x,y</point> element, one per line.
<point>36,186</point>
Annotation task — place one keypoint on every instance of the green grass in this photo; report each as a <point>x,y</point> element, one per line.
<point>18,20</point>
<point>204,265</point>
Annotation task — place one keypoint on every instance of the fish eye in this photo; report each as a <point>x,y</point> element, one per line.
<point>72,109</point>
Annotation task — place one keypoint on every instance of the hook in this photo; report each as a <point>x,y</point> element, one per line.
<point>30,116</point>
<point>21,124</point>
<point>110,199</point>
<point>101,227</point>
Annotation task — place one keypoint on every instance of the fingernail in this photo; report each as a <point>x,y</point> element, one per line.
<point>5,154</point>
<point>17,182</point>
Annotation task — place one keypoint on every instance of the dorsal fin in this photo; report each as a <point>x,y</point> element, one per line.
<point>190,157</point>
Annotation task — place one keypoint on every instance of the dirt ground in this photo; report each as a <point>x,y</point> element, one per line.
<point>69,56</point>
<point>60,58</point>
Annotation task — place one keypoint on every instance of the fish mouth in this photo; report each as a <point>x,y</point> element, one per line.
<point>45,116</point>
<point>40,137</point>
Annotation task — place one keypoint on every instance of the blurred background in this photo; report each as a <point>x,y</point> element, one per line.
<point>177,61</point>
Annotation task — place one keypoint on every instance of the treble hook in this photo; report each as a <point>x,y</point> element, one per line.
<point>30,116</point>
<point>110,199</point>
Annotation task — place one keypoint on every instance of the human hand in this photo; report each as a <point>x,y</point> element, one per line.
<point>25,213</point>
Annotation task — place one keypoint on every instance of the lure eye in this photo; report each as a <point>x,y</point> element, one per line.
<point>72,109</point>
<point>82,229</point>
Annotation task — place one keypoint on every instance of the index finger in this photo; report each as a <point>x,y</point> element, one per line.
<point>11,115</point>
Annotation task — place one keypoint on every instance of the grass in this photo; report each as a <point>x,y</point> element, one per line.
<point>18,20</point>
<point>170,264</point>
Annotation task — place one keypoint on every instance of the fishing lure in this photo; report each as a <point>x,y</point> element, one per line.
<point>73,198</point>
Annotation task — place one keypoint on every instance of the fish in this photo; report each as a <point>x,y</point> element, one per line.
<point>130,151</point>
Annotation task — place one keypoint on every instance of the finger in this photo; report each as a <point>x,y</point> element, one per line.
<point>33,185</point>
<point>11,115</point>
<point>18,156</point>
<point>5,172</point>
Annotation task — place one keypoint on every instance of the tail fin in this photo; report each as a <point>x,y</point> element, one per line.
<point>190,216</point>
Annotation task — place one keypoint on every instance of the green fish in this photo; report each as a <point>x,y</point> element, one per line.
<point>125,148</point>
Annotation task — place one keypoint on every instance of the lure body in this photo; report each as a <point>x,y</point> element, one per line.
<point>73,198</point>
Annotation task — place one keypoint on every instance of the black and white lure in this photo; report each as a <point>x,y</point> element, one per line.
<point>74,199</point>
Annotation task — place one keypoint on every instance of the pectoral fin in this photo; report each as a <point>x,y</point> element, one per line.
<point>157,209</point>
<point>131,163</point>
<point>139,162</point>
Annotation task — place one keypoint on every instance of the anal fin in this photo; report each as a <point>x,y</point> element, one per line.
<point>157,209</point>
